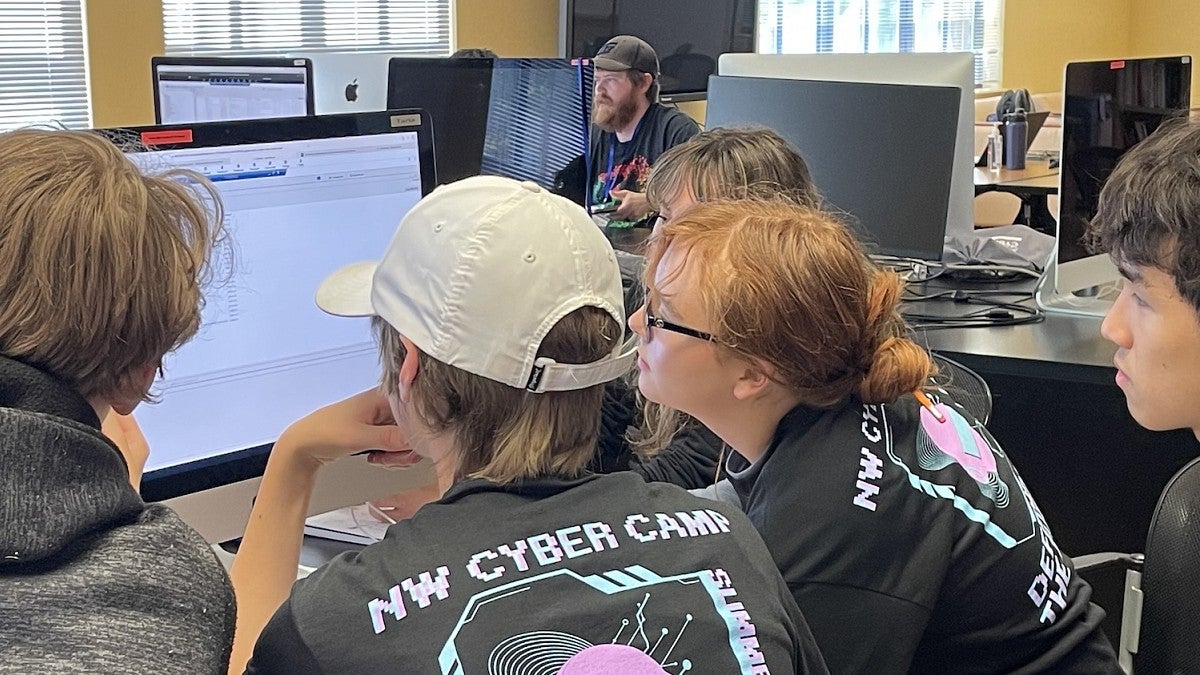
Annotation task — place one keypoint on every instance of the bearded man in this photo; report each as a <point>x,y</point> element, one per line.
<point>631,128</point>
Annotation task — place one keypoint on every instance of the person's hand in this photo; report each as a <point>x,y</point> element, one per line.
<point>633,207</point>
<point>361,423</point>
<point>125,433</point>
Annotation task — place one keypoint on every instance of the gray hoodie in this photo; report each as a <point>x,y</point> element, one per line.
<point>91,578</point>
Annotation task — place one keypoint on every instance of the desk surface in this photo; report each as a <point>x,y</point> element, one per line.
<point>1063,346</point>
<point>1034,168</point>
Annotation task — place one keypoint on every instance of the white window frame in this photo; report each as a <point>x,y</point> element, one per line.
<point>273,27</point>
<point>862,26</point>
<point>43,64</point>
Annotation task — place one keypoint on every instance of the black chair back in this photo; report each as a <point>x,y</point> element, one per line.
<point>1169,641</point>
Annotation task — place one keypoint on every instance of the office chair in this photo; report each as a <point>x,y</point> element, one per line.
<point>965,386</point>
<point>1160,606</point>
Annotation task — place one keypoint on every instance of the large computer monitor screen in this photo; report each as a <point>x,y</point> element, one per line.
<point>883,154</point>
<point>538,123</point>
<point>1108,107</point>
<point>455,94</point>
<point>302,197</point>
<point>950,69</point>
<point>521,118</point>
<point>687,36</point>
<point>215,89</point>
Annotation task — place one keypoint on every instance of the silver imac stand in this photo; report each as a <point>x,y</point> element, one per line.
<point>1084,287</point>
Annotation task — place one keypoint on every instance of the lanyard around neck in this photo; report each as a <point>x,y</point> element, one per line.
<point>610,178</point>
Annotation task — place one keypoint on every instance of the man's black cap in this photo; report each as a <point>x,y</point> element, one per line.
<point>626,52</point>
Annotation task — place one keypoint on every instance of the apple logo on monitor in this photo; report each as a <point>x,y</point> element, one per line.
<point>352,90</point>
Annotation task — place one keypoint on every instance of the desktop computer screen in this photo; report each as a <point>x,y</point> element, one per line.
<point>934,69</point>
<point>302,197</point>
<point>1108,107</point>
<point>522,118</point>
<point>539,116</point>
<point>455,94</point>
<point>208,89</point>
<point>883,154</point>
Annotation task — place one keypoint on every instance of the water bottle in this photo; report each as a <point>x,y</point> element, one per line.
<point>993,150</point>
<point>1016,135</point>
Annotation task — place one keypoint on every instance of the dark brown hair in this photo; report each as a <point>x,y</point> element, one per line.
<point>1149,209</point>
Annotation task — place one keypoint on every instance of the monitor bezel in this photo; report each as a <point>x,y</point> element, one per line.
<point>239,465</point>
<point>310,102</point>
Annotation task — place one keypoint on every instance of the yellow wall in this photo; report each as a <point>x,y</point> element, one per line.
<point>1040,37</point>
<point>509,27</point>
<point>122,35</point>
<point>1165,28</point>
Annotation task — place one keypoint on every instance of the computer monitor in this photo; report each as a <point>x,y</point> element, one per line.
<point>952,70</point>
<point>455,94</point>
<point>190,89</point>
<point>349,82</point>
<point>524,118</point>
<point>882,153</point>
<point>1108,107</point>
<point>538,123</point>
<point>302,197</point>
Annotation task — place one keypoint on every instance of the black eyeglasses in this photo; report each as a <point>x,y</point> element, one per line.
<point>656,322</point>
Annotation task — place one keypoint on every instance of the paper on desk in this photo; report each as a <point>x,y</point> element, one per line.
<point>354,524</point>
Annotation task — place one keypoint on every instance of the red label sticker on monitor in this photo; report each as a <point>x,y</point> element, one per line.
<point>1116,65</point>
<point>167,137</point>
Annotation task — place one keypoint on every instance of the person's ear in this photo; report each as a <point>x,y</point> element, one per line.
<point>754,379</point>
<point>408,370</point>
<point>133,389</point>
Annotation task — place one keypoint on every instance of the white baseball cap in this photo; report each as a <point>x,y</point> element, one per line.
<point>479,271</point>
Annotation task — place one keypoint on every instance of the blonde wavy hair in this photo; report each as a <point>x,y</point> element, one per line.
<point>502,433</point>
<point>792,287</point>
<point>101,264</point>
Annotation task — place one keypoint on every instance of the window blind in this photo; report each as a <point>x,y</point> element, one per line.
<point>868,26</point>
<point>43,74</point>
<point>269,27</point>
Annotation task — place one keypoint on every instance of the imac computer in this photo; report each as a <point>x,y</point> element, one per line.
<point>348,82</point>
<point>950,70</point>
<point>302,197</point>
<point>881,153</point>
<point>217,89</point>
<point>1108,107</point>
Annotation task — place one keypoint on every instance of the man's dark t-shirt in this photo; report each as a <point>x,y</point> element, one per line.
<point>661,128</point>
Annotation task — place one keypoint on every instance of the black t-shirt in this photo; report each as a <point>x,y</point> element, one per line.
<point>913,545</point>
<point>661,128</point>
<point>603,572</point>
